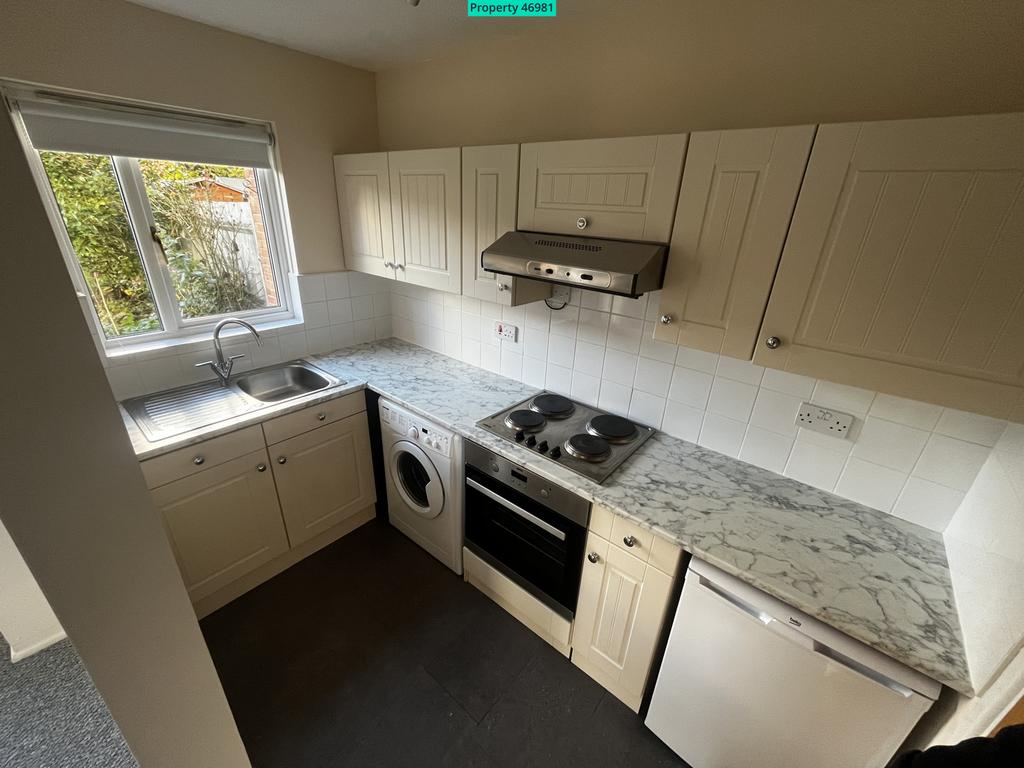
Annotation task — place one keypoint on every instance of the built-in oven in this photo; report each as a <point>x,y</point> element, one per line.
<point>528,528</point>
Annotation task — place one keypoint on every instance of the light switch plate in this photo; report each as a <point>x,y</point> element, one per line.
<point>505,331</point>
<point>824,420</point>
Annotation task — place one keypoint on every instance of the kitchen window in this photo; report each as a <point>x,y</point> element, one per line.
<point>169,223</point>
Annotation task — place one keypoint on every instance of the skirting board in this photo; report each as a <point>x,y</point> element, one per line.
<point>530,611</point>
<point>267,571</point>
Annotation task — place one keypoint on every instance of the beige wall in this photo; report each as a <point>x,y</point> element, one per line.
<point>111,47</point>
<point>74,501</point>
<point>676,65</point>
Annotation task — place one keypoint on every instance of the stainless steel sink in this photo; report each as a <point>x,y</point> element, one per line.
<point>283,382</point>
<point>176,411</point>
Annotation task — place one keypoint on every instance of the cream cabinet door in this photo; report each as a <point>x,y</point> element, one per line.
<point>621,188</point>
<point>223,522</point>
<point>735,204</point>
<point>426,212</point>
<point>903,268</point>
<point>364,205</point>
<point>324,476</point>
<point>490,184</point>
<point>622,605</point>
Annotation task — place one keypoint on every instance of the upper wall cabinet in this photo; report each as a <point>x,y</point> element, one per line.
<point>735,204</point>
<point>903,270</point>
<point>619,188</point>
<point>426,216</point>
<point>364,204</point>
<point>490,183</point>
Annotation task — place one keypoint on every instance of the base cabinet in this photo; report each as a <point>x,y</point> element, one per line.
<point>622,605</point>
<point>324,476</point>
<point>223,522</point>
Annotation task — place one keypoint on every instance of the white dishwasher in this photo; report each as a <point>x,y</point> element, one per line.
<point>748,681</point>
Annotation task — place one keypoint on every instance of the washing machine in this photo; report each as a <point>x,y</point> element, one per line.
<point>423,467</point>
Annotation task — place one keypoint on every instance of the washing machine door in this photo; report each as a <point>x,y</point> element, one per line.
<point>416,479</point>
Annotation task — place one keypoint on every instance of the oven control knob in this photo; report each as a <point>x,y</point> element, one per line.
<point>544,493</point>
<point>542,446</point>
<point>520,435</point>
<point>594,557</point>
<point>531,441</point>
<point>413,432</point>
<point>495,467</point>
<point>555,452</point>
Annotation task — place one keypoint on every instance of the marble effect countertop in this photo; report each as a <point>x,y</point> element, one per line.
<point>877,578</point>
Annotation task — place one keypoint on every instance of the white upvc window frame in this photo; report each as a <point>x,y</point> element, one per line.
<point>177,330</point>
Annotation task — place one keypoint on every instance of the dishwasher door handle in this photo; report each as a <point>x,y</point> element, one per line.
<point>516,509</point>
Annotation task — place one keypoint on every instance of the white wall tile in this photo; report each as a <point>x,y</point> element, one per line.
<point>124,381</point>
<point>342,335</point>
<point>840,397</point>
<point>646,408</point>
<point>722,434</point>
<point>490,357</point>
<point>828,442</point>
<point>163,373</point>
<point>697,359</point>
<point>452,320</point>
<point>1012,439</point>
<point>789,383</point>
<point>381,304</point>
<point>538,316</point>
<point>339,311</point>
<point>892,445</point>
<point>511,364</point>
<point>732,398</point>
<point>336,285</point>
<point>775,411</point>
<point>293,345</point>
<point>870,484</point>
<point>623,305</point>
<point>318,340</point>
<point>585,388</point>
<point>602,302</point>
<point>620,367</point>
<point>593,326</point>
<point>624,333</point>
<point>514,315</point>
<point>362,307</point>
<point>614,397</point>
<point>589,358</point>
<point>470,305</point>
<point>471,351</point>
<point>267,353</point>
<point>382,328</point>
<point>452,345</point>
<point>766,449</point>
<point>653,376</point>
<point>315,315</point>
<point>435,314</point>
<point>950,462</point>
<point>311,288</point>
<point>561,350</point>
<point>927,503</point>
<point>971,427</point>
<point>558,378</point>
<point>564,321</point>
<point>535,344</point>
<point>815,466</point>
<point>682,421</point>
<point>690,387</point>
<point>654,349</point>
<point>471,325</point>
<point>910,412</point>
<point>739,370</point>
<point>534,372</point>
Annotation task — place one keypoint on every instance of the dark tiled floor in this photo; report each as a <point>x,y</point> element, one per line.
<point>371,653</point>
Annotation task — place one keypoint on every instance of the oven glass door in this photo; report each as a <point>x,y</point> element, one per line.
<point>535,547</point>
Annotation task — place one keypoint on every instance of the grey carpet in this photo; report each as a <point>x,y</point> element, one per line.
<point>52,716</point>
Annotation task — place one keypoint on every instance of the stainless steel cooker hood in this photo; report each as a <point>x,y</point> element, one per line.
<point>611,266</point>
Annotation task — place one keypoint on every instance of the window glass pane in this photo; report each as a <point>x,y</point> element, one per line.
<point>94,213</point>
<point>212,229</point>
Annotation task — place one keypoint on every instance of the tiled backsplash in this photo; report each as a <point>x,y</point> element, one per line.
<point>338,309</point>
<point>912,459</point>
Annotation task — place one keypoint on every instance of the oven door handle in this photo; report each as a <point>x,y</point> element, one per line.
<point>515,508</point>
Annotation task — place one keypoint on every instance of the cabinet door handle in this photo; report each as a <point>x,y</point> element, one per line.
<point>773,342</point>
<point>198,460</point>
<point>594,557</point>
<point>321,416</point>
<point>282,459</point>
<point>261,467</point>
<point>666,319</point>
<point>629,541</point>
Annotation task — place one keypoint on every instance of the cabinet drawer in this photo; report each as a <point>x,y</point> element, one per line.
<point>195,458</point>
<point>659,552</point>
<point>292,424</point>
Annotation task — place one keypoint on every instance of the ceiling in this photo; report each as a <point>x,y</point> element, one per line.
<point>371,34</point>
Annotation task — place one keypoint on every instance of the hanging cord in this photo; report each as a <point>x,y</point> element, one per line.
<point>564,304</point>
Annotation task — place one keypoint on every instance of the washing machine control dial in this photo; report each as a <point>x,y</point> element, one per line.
<point>413,432</point>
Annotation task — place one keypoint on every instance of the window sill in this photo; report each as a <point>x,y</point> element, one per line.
<point>194,342</point>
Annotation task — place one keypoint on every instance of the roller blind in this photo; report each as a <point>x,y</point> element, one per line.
<point>99,129</point>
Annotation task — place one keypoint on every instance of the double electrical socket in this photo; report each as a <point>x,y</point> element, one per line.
<point>505,331</point>
<point>824,420</point>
